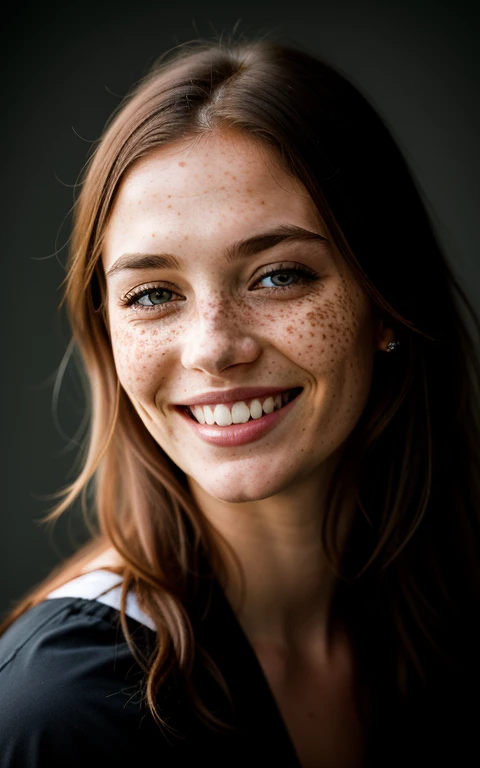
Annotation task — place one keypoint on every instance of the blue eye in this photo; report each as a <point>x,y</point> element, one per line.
<point>133,299</point>
<point>150,293</point>
<point>296,276</point>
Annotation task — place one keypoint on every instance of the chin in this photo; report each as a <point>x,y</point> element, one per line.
<point>240,492</point>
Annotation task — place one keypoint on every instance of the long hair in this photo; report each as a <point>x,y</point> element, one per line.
<point>412,560</point>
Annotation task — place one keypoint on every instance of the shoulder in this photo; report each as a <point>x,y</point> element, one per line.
<point>70,688</point>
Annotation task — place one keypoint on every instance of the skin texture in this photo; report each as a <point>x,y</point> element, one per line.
<point>223,329</point>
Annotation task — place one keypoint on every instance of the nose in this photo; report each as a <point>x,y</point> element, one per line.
<point>216,340</point>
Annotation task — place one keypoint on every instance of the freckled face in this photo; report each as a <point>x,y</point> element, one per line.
<point>212,325</point>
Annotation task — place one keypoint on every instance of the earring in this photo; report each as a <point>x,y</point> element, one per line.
<point>392,345</point>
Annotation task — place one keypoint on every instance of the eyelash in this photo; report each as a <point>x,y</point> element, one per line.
<point>303,275</point>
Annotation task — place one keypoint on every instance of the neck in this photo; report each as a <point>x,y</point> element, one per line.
<point>289,587</point>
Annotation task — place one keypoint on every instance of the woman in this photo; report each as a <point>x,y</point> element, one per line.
<point>283,448</point>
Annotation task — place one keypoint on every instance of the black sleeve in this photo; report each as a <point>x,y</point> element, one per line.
<point>70,694</point>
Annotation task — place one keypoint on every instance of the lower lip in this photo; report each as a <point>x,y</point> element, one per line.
<point>239,434</point>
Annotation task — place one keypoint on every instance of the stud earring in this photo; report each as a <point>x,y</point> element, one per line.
<point>392,345</point>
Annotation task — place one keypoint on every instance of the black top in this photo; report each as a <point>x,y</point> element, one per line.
<point>70,694</point>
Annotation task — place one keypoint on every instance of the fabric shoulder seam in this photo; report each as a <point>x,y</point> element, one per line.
<point>37,629</point>
<point>40,626</point>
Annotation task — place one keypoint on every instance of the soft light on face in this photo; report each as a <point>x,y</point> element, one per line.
<point>211,323</point>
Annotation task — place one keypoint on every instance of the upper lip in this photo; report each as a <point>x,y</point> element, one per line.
<point>233,395</point>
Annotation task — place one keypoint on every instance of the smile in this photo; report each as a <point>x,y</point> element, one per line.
<point>223,415</point>
<point>253,428</point>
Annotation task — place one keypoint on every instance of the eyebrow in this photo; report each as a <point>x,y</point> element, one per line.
<point>238,250</point>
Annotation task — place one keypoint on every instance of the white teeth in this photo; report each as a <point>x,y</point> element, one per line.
<point>209,417</point>
<point>269,405</point>
<point>197,411</point>
<point>256,409</point>
<point>222,415</point>
<point>240,412</point>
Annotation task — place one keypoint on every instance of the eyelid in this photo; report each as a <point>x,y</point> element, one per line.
<point>305,273</point>
<point>143,287</point>
<point>268,269</point>
<point>292,266</point>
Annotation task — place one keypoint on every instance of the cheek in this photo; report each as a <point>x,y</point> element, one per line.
<point>138,358</point>
<point>320,331</point>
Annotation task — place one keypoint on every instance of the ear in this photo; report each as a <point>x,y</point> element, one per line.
<point>384,334</point>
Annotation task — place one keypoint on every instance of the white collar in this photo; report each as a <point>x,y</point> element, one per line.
<point>105,587</point>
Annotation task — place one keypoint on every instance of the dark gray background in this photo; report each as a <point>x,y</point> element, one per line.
<point>65,69</point>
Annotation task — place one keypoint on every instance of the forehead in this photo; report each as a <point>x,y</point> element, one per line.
<point>209,164</point>
<point>215,188</point>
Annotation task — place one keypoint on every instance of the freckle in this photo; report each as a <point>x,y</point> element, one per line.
<point>153,234</point>
<point>178,214</point>
<point>186,237</point>
<point>182,163</point>
<point>262,202</point>
<point>234,178</point>
<point>168,195</point>
<point>324,336</point>
<point>170,205</point>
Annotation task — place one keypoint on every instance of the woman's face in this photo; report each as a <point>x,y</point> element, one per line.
<point>210,318</point>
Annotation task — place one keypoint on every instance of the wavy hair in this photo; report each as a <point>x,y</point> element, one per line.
<point>412,461</point>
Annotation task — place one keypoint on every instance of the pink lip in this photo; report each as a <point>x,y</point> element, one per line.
<point>234,395</point>
<point>238,434</point>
